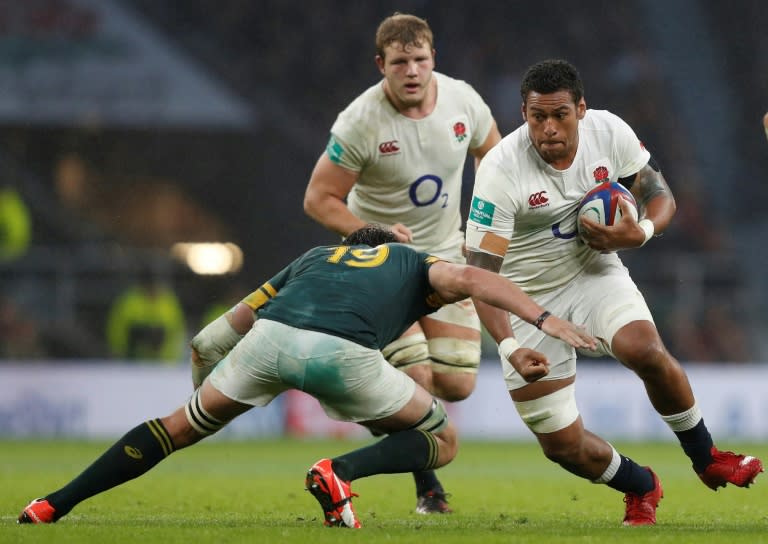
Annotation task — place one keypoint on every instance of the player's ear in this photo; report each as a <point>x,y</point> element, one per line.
<point>581,109</point>
<point>380,63</point>
<point>522,111</point>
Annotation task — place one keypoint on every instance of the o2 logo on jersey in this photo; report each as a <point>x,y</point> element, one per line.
<point>562,235</point>
<point>427,190</point>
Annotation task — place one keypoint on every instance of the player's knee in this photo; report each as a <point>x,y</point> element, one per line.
<point>407,351</point>
<point>449,445</point>
<point>638,346</point>
<point>435,420</point>
<point>454,367</point>
<point>440,431</point>
<point>203,423</point>
<point>453,387</point>
<point>648,360</point>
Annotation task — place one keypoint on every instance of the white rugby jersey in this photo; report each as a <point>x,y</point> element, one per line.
<point>520,197</point>
<point>410,170</point>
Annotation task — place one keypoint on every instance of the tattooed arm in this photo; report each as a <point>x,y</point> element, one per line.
<point>654,197</point>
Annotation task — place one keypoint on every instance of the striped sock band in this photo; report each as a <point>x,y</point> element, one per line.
<point>157,428</point>
<point>200,420</point>
<point>434,450</point>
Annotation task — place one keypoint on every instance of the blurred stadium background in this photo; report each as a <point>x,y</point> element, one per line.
<point>131,130</point>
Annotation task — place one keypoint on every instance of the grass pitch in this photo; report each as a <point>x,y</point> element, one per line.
<point>254,492</point>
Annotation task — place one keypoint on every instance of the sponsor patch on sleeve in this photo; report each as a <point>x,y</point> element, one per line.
<point>334,150</point>
<point>482,212</point>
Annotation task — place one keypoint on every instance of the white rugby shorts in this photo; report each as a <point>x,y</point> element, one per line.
<point>603,298</point>
<point>351,382</point>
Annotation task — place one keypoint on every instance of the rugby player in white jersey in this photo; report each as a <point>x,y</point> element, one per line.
<point>396,157</point>
<point>522,224</point>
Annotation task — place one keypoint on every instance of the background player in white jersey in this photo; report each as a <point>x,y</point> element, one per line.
<point>523,223</point>
<point>396,155</point>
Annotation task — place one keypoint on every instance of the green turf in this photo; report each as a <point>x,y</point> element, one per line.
<point>253,492</point>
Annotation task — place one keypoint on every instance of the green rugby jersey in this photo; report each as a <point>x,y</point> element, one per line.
<point>367,295</point>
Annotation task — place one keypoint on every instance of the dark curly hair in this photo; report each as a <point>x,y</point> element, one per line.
<point>370,235</point>
<point>550,76</point>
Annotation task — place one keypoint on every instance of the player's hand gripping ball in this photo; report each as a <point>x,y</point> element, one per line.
<point>601,204</point>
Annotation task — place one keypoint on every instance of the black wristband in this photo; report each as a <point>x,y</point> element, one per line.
<point>540,320</point>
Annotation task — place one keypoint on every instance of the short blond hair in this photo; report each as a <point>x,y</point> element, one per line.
<point>404,29</point>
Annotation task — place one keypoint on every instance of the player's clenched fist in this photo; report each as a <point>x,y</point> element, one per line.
<point>530,364</point>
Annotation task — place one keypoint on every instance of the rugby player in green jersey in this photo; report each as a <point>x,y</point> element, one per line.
<point>322,322</point>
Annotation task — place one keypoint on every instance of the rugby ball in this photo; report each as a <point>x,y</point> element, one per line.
<point>601,204</point>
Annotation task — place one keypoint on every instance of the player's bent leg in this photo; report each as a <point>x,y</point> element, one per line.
<point>640,348</point>
<point>431,497</point>
<point>637,346</point>
<point>553,417</point>
<point>207,411</point>
<point>379,396</point>
<point>425,414</point>
<point>454,367</point>
<point>410,354</point>
<point>420,438</point>
<point>453,334</point>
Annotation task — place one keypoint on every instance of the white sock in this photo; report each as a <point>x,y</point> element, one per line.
<point>684,420</point>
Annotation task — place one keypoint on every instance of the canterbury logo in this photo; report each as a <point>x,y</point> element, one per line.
<point>386,148</point>
<point>536,200</point>
<point>135,453</point>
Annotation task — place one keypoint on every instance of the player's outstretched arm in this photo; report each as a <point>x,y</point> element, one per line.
<point>455,282</point>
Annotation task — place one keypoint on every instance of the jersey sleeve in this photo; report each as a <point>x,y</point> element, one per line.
<point>630,152</point>
<point>346,147</point>
<point>269,289</point>
<point>481,116</point>
<point>493,207</point>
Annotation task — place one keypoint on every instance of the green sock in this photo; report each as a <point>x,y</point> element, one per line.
<point>405,451</point>
<point>134,454</point>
